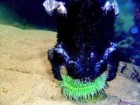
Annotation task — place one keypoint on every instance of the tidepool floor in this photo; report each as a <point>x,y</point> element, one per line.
<point>26,78</point>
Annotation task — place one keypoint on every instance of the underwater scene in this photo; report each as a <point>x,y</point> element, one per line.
<point>69,52</point>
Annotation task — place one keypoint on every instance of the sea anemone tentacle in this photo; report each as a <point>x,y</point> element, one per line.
<point>77,90</point>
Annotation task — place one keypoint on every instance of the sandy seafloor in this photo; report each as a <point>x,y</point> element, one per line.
<point>26,78</point>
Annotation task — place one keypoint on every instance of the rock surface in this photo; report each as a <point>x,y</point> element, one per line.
<point>129,70</point>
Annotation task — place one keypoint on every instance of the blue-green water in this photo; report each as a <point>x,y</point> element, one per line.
<point>23,13</point>
<point>9,17</point>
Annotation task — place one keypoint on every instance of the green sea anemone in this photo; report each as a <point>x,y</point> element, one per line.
<point>77,90</point>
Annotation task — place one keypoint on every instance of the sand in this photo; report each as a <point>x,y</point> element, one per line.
<point>26,77</point>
